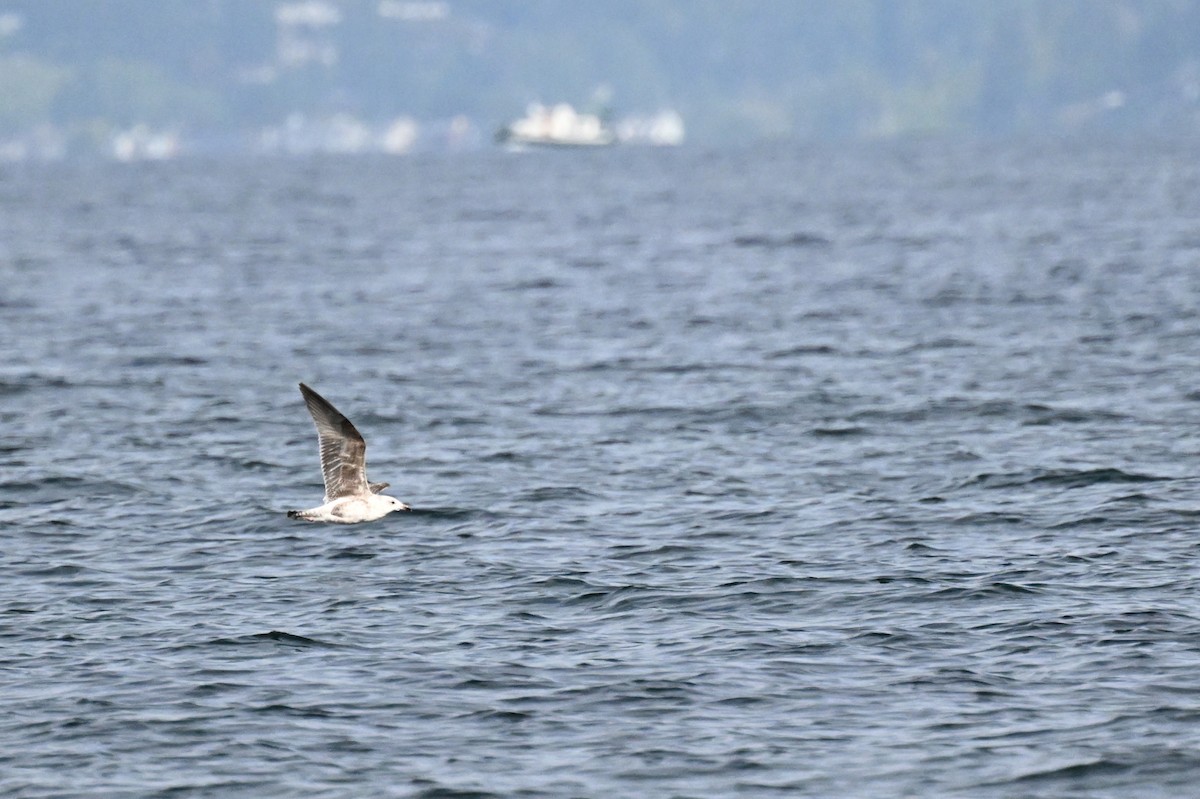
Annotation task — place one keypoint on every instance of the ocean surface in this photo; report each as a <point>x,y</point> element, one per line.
<point>835,471</point>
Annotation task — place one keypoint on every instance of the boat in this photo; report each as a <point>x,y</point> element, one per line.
<point>556,126</point>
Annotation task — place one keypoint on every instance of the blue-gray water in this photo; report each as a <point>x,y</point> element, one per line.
<point>865,471</point>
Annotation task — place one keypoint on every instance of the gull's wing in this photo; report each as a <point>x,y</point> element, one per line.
<point>343,451</point>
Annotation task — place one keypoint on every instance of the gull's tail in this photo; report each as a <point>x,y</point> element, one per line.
<point>299,514</point>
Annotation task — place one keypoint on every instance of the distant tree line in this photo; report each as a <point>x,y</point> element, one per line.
<point>736,69</point>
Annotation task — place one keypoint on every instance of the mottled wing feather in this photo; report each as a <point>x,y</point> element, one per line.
<point>377,487</point>
<point>343,451</point>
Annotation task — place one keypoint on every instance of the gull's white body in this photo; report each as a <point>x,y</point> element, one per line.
<point>348,510</point>
<point>349,498</point>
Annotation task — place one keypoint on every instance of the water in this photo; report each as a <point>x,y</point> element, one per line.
<point>833,471</point>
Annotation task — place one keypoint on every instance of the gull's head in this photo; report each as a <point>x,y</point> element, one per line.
<point>395,504</point>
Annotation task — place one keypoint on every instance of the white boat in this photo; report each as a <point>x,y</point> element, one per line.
<point>557,126</point>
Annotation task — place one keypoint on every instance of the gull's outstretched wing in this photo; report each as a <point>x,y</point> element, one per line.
<point>343,451</point>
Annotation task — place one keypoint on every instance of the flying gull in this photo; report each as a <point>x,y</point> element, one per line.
<point>349,498</point>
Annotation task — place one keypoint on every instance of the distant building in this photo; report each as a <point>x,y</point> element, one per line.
<point>664,129</point>
<point>414,10</point>
<point>141,143</point>
<point>300,33</point>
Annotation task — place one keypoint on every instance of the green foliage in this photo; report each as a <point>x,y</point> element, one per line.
<point>132,92</point>
<point>736,69</point>
<point>28,89</point>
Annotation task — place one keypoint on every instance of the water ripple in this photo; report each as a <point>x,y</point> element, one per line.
<point>734,474</point>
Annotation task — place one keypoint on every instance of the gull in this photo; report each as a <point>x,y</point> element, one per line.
<point>349,498</point>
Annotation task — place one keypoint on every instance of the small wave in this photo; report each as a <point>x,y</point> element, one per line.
<point>992,589</point>
<point>504,456</point>
<point>372,350</point>
<point>767,585</point>
<point>847,431</point>
<point>63,485</point>
<point>352,553</point>
<point>1075,771</point>
<point>165,360</point>
<point>450,513</point>
<point>625,598</point>
<point>768,241</point>
<point>1047,415</point>
<point>657,554</point>
<point>19,385</point>
<point>623,410</point>
<point>991,517</point>
<point>742,701</point>
<point>556,584</point>
<point>215,688</point>
<point>534,284</point>
<point>243,464</point>
<point>661,367</point>
<point>443,792</point>
<point>1027,413</point>
<point>1082,521</point>
<point>551,493</point>
<point>745,515</point>
<point>377,418</point>
<point>919,546</point>
<point>1075,478</point>
<point>498,715</point>
<point>806,349</point>
<point>882,637</point>
<point>940,343</point>
<point>505,214</point>
<point>698,366</point>
<point>275,637</point>
<point>452,422</point>
<point>291,710</point>
<point>1062,478</point>
<point>1136,498</point>
<point>61,570</point>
